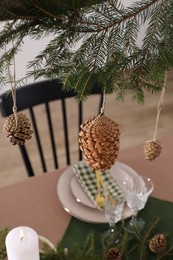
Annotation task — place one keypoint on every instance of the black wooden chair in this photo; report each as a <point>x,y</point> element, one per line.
<point>44,93</point>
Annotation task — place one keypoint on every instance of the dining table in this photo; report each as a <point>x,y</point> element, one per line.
<point>34,202</point>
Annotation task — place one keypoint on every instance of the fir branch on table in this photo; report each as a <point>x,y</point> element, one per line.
<point>168,253</point>
<point>106,33</point>
<point>3,234</point>
<point>145,239</point>
<point>129,245</point>
<point>75,252</point>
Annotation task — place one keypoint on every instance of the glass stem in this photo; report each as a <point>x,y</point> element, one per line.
<point>112,225</point>
<point>135,214</point>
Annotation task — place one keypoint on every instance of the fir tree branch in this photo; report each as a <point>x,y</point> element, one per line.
<point>108,34</point>
<point>147,44</point>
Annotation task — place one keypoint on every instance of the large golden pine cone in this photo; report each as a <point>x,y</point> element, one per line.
<point>99,140</point>
<point>112,254</point>
<point>158,243</point>
<point>20,134</point>
<point>152,149</point>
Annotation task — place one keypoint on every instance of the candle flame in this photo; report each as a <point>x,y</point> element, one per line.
<point>21,234</point>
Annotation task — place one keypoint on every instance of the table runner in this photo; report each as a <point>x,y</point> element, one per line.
<point>77,230</point>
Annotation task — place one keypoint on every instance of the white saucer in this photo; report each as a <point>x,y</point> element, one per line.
<point>79,210</point>
<point>118,173</point>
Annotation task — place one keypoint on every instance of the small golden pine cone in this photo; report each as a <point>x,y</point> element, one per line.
<point>152,149</point>
<point>19,134</point>
<point>99,140</point>
<point>112,254</point>
<point>158,243</point>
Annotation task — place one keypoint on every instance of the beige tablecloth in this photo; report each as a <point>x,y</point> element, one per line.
<point>160,170</point>
<point>34,202</point>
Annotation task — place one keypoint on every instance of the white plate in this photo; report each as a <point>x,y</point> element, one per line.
<point>79,210</point>
<point>118,173</point>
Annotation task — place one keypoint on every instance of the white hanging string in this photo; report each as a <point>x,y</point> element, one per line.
<point>12,80</point>
<point>13,89</point>
<point>103,106</point>
<point>103,103</point>
<point>159,106</point>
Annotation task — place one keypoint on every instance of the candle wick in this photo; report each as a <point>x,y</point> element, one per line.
<point>21,238</point>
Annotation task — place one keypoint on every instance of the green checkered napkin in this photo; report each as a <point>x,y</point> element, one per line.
<point>87,178</point>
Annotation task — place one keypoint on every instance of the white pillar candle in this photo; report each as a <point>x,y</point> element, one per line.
<point>22,244</point>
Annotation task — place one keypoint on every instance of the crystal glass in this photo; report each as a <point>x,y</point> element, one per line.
<point>113,213</point>
<point>137,194</point>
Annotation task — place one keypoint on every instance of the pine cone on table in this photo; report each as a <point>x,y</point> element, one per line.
<point>158,243</point>
<point>99,140</point>
<point>19,134</point>
<point>112,254</point>
<point>152,149</point>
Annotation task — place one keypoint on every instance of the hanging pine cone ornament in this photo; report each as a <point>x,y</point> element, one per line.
<point>152,149</point>
<point>99,140</point>
<point>158,243</point>
<point>112,254</point>
<point>19,134</point>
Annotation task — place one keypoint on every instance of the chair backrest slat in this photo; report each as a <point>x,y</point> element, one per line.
<point>26,160</point>
<point>51,135</point>
<point>64,113</point>
<point>38,140</point>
